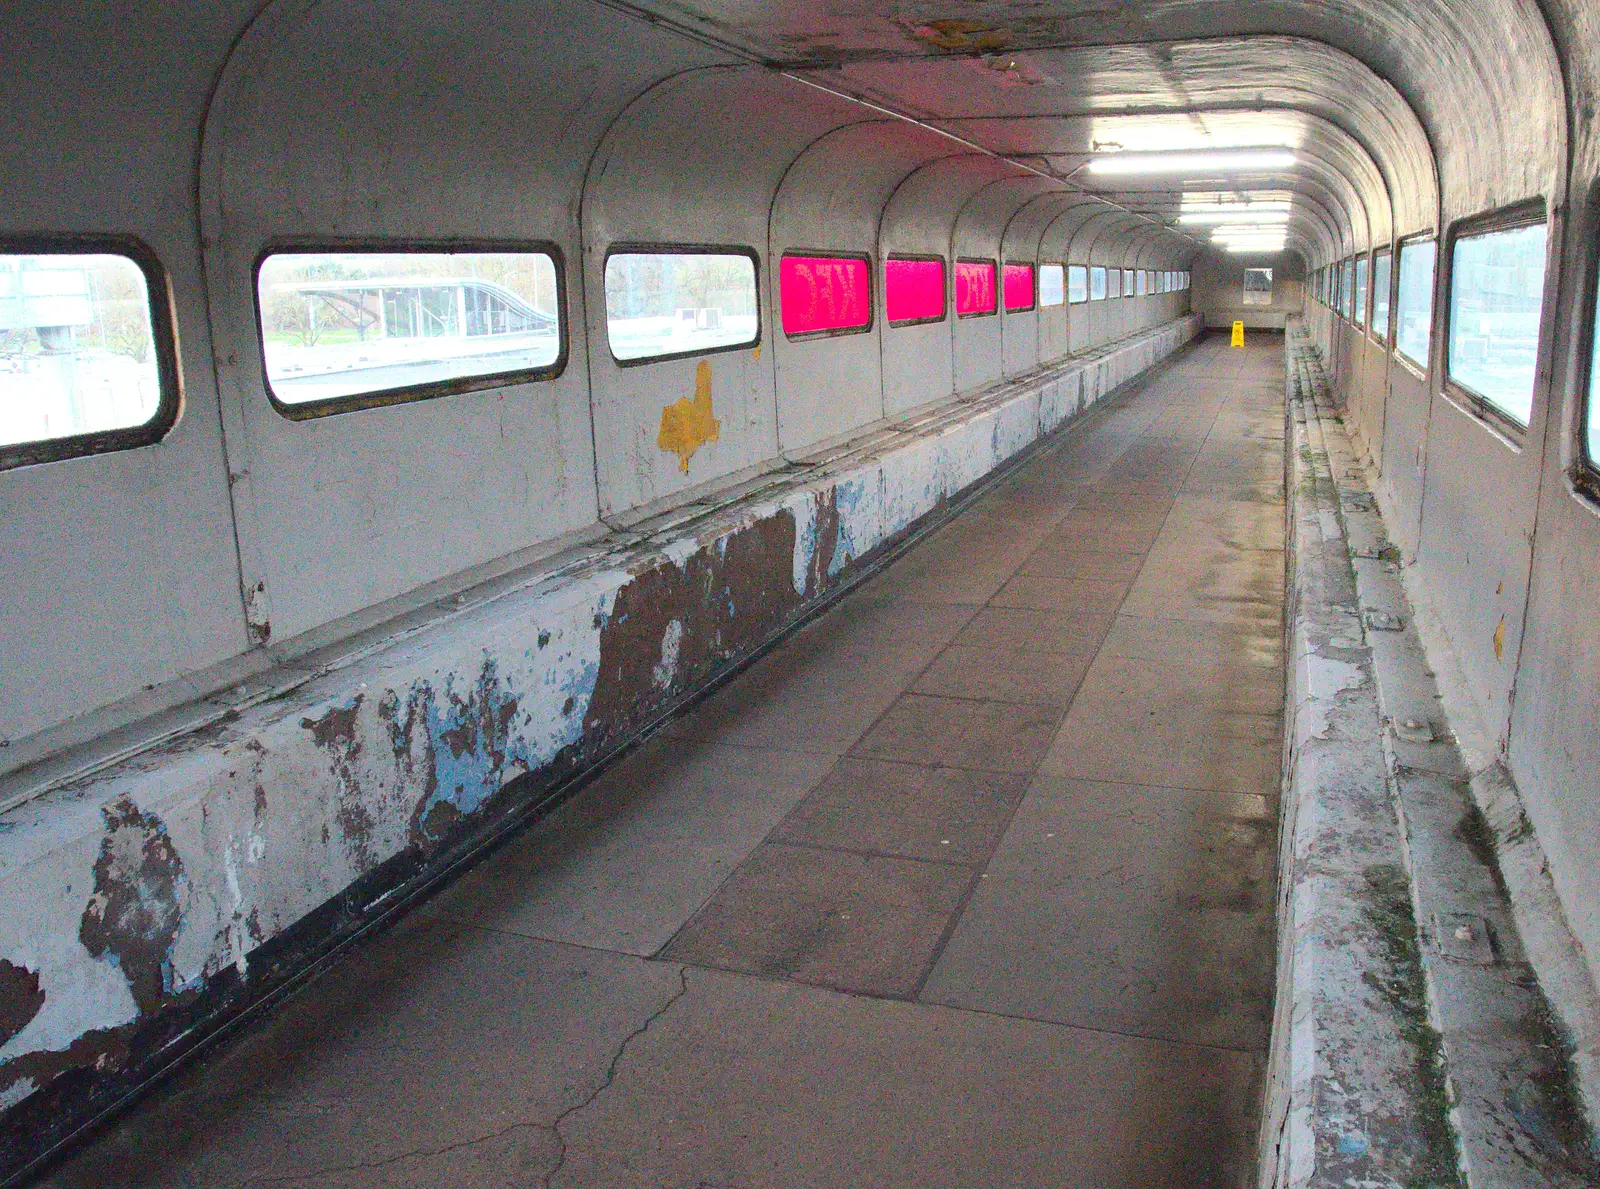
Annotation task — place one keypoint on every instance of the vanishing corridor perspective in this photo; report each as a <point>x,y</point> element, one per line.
<point>800,594</point>
<point>968,882</point>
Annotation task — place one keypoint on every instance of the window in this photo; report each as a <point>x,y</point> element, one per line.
<point>1017,281</point>
<point>1362,265</point>
<point>1591,415</point>
<point>665,302</point>
<point>1142,280</point>
<point>1347,284</point>
<point>1496,293</point>
<point>1381,276</point>
<point>1257,287</point>
<point>1413,301</point>
<point>1077,283</point>
<point>821,295</point>
<point>86,362</point>
<point>975,295</point>
<point>1097,283</point>
<point>913,289</point>
<point>1129,285</point>
<point>1052,285</point>
<point>1114,282</point>
<point>350,328</point>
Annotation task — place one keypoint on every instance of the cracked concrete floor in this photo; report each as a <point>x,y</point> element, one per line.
<point>969,883</point>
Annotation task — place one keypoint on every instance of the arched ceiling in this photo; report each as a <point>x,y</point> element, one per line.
<point>1426,109</point>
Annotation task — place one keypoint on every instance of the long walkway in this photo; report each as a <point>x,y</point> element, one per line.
<point>968,884</point>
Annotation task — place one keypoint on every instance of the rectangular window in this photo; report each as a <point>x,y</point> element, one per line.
<point>1097,283</point>
<point>665,302</point>
<point>824,294</point>
<point>1128,284</point>
<point>1362,265</point>
<point>913,289</point>
<point>1018,284</point>
<point>1142,280</point>
<point>1077,283</point>
<point>1347,289</point>
<point>1591,414</point>
<point>1496,294</point>
<point>1413,301</point>
<point>975,289</point>
<point>1114,282</point>
<point>1052,285</point>
<point>388,326</point>
<point>86,361</point>
<point>1382,265</point>
<point>1257,287</point>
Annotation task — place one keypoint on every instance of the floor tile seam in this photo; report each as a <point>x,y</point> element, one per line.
<point>933,1005</point>
<point>1145,784</point>
<point>927,767</point>
<point>861,852</point>
<point>652,958</point>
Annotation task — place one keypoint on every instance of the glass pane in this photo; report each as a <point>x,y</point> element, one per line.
<point>913,290</point>
<point>672,303</point>
<point>1381,274</point>
<point>1257,287</point>
<point>77,354</point>
<point>1052,284</point>
<point>1592,416</point>
<point>1128,283</point>
<point>1347,289</point>
<point>1097,283</point>
<point>975,287</point>
<point>1496,291</point>
<point>1077,283</point>
<point>1413,302</point>
<point>1114,282</point>
<point>1361,292</point>
<point>337,324</point>
<point>1143,281</point>
<point>1019,286</point>
<point>818,293</point>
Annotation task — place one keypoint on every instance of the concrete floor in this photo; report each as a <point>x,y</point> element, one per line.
<point>970,883</point>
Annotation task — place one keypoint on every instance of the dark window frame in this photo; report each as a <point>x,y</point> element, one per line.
<point>1584,469</point>
<point>1530,213</point>
<point>836,332</point>
<point>994,265</point>
<point>1418,369</point>
<point>636,248</point>
<point>410,393</point>
<point>1033,276</point>
<point>163,333</point>
<point>947,275</point>
<point>1372,295</point>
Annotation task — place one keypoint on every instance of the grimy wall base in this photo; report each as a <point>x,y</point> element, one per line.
<point>154,900</point>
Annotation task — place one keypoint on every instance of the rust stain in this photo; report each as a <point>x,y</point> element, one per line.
<point>956,34</point>
<point>21,998</point>
<point>335,732</point>
<point>132,920</point>
<point>725,598</point>
<point>1500,638</point>
<point>686,424</point>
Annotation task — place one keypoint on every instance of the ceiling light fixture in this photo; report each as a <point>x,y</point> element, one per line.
<point>1209,161</point>
<point>1271,206</point>
<point>1237,215</point>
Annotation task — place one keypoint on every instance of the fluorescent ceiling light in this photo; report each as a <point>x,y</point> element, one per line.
<point>1237,215</point>
<point>1216,159</point>
<point>1263,206</point>
<point>1257,249</point>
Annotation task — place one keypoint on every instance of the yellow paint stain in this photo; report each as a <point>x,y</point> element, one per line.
<point>1500,638</point>
<point>686,424</point>
<point>1238,334</point>
<point>962,35</point>
<point>756,354</point>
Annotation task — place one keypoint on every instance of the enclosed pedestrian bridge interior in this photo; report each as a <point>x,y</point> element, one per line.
<point>625,593</point>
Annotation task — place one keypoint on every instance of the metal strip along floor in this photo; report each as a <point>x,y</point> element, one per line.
<point>969,882</point>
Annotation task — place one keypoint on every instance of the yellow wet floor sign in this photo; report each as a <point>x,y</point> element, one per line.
<point>1238,334</point>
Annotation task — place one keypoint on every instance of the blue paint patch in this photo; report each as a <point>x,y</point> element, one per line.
<point>1352,1143</point>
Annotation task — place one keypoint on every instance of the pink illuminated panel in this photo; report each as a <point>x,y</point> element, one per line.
<point>913,290</point>
<point>974,287</point>
<point>822,293</point>
<point>1018,283</point>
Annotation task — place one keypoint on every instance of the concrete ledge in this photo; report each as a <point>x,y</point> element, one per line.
<point>1412,1046</point>
<point>146,903</point>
